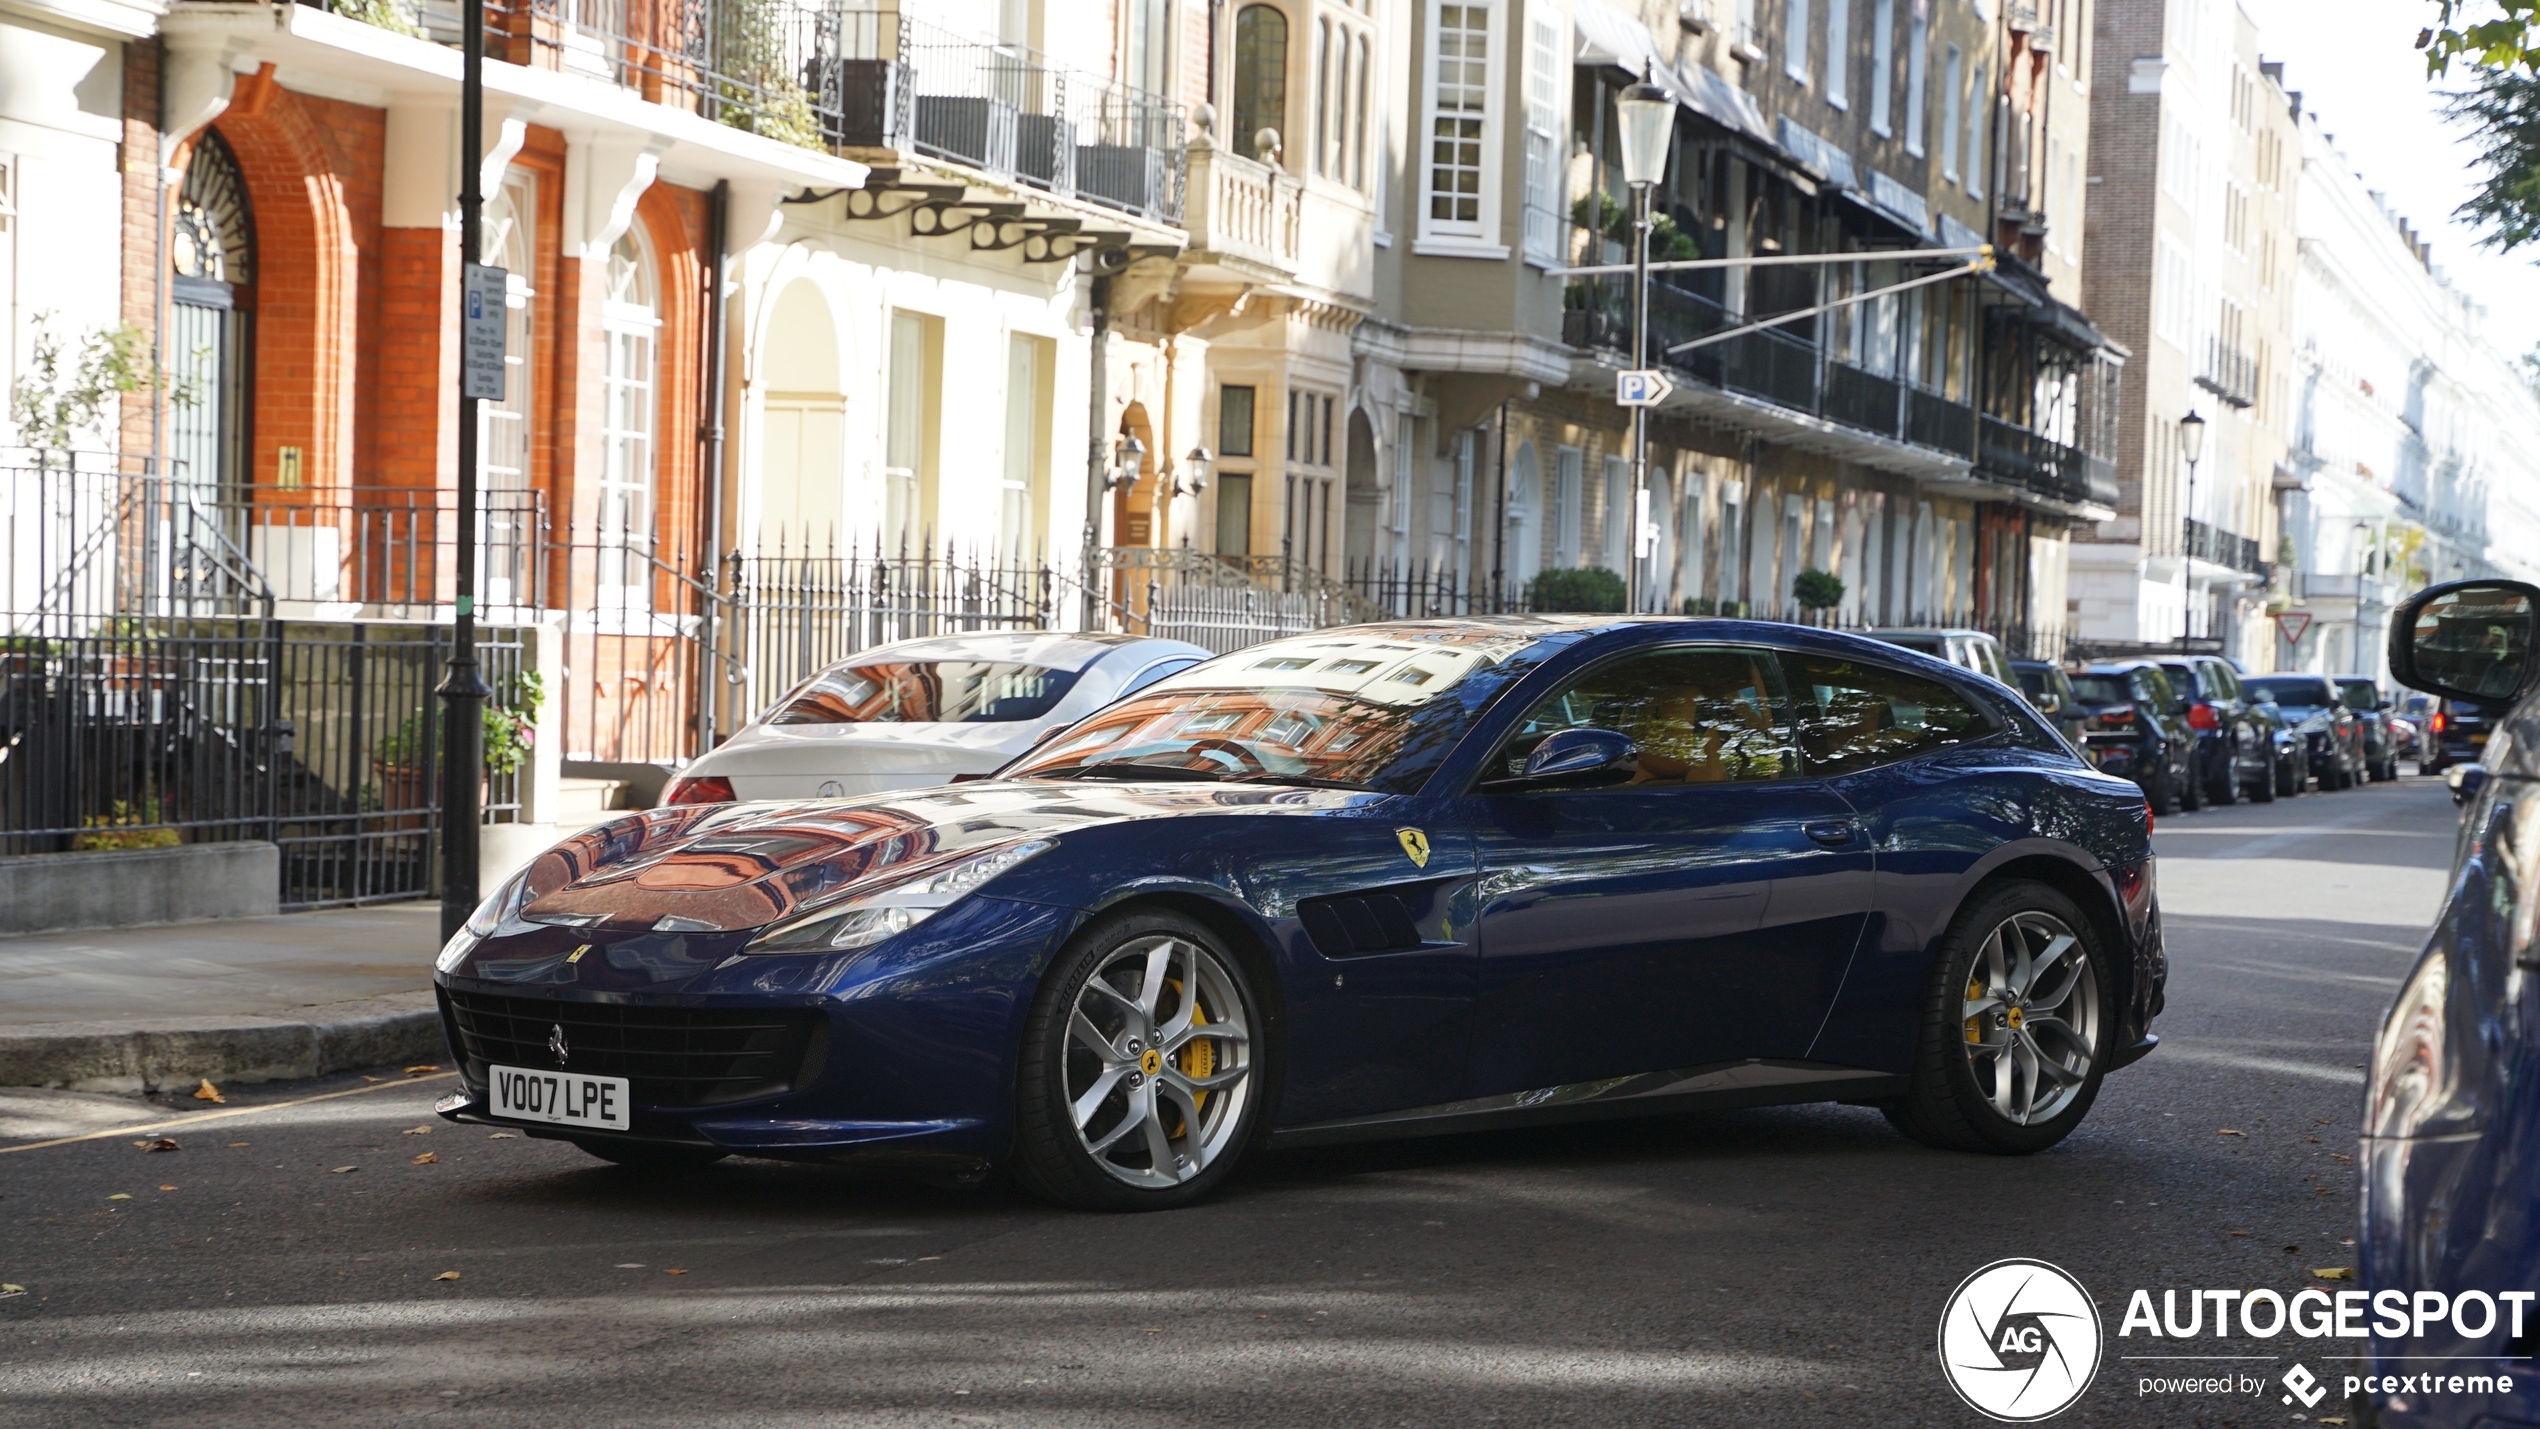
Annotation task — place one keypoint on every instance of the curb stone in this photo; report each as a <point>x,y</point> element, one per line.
<point>146,1054</point>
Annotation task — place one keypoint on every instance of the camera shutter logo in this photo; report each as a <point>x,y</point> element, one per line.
<point>2020,1341</point>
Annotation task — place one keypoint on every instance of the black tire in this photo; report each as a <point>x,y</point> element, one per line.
<point>1949,1106</point>
<point>1053,1158</point>
<point>2289,781</point>
<point>2225,790</point>
<point>653,1158</point>
<point>2263,790</point>
<point>2191,790</point>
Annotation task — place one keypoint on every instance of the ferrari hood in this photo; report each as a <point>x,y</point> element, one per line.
<point>727,867</point>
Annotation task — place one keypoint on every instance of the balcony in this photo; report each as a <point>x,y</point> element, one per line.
<point>2215,546</point>
<point>2043,465</point>
<point>845,80</point>
<point>2231,374</point>
<point>1244,215</point>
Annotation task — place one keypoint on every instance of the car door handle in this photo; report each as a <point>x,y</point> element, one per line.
<point>1832,833</point>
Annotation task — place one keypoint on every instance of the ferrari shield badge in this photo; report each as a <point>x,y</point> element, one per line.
<point>1416,844</point>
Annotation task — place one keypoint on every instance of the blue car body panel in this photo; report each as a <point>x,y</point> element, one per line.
<point>1570,946</point>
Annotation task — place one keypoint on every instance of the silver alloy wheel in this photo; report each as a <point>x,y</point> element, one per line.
<point>1158,1061</point>
<point>2031,1017</point>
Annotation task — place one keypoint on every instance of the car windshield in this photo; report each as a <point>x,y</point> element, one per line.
<point>2101,690</point>
<point>927,692</point>
<point>1376,707</point>
<point>2033,683</point>
<point>2296,692</point>
<point>2360,694</point>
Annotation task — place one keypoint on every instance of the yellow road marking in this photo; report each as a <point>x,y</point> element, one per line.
<point>220,1115</point>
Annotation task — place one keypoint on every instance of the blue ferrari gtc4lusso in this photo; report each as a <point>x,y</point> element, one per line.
<point>1378,881</point>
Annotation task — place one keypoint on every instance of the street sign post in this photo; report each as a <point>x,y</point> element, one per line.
<point>486,316</point>
<point>1644,387</point>
<point>2294,624</point>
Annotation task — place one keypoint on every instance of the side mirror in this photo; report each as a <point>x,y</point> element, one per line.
<point>1575,759</point>
<point>2050,703</point>
<point>2465,781</point>
<point>2469,640</point>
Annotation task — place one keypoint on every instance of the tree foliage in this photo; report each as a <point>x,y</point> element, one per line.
<point>2507,37</point>
<point>2501,113</point>
<point>59,399</point>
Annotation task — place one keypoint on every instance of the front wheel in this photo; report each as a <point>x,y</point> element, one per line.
<point>2016,1027</point>
<point>2262,789</point>
<point>1139,1085</point>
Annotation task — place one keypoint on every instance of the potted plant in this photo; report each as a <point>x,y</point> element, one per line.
<point>1817,592</point>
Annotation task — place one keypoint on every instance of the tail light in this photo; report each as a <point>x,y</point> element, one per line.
<point>705,789</point>
<point>2151,820</point>
<point>2202,716</point>
<point>2111,719</point>
<point>2437,723</point>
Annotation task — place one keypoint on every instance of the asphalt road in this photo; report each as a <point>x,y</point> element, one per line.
<point>1781,1268</point>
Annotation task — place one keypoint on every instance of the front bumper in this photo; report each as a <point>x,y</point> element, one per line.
<point>908,1059</point>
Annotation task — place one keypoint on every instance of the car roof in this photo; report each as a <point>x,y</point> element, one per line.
<point>1886,631</point>
<point>1068,651</point>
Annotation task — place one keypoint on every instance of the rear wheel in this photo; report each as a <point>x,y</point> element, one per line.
<point>1139,1082</point>
<point>2015,1027</point>
<point>2262,789</point>
<point>2191,788</point>
<point>2225,790</point>
<point>647,1156</point>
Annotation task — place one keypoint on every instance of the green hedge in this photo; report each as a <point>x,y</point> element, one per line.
<point>1592,589</point>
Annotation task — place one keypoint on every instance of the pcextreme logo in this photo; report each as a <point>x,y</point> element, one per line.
<point>2020,1341</point>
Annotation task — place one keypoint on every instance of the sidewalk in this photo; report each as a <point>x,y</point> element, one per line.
<point>250,999</point>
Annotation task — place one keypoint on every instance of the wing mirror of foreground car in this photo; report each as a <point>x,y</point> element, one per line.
<point>1574,759</point>
<point>2465,781</point>
<point>2469,640</point>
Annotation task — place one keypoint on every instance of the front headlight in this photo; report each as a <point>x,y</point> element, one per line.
<point>499,913</point>
<point>869,918</point>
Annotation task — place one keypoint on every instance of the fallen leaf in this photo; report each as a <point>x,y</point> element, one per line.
<point>167,1188</point>
<point>504,1136</point>
<point>157,1143</point>
<point>2346,1242</point>
<point>629,1265</point>
<point>420,1068</point>
<point>2314,1141</point>
<point>7,1289</point>
<point>207,1092</point>
<point>370,1079</point>
<point>447,1275</point>
<point>674,1271</point>
<point>2333,1272</point>
<point>2292,1250</point>
<point>119,1196</point>
<point>341,1170</point>
<point>427,1159</point>
<point>236,1144</point>
<point>2331,1419</point>
<point>2339,1156</point>
<point>2230,1131</point>
<point>418,1131</point>
<point>2240,1233</point>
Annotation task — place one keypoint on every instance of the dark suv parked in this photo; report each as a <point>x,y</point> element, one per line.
<point>2131,728</point>
<point>2327,727</point>
<point>2050,692</point>
<point>2234,751</point>
<point>2455,733</point>
<point>2372,720</point>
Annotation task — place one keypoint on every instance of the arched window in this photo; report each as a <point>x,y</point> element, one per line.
<point>1261,77</point>
<point>212,255</point>
<point>630,322</point>
<point>507,240</point>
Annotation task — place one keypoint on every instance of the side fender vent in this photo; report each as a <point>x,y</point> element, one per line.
<point>1354,925</point>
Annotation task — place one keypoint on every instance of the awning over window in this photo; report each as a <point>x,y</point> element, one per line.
<point>1607,36</point>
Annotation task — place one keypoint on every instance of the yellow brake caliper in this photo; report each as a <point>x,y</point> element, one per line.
<point>1975,1025</point>
<point>1199,1057</point>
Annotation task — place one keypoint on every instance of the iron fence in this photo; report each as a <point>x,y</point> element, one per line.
<point>142,732</point>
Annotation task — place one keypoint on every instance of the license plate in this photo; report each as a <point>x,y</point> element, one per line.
<point>562,1098</point>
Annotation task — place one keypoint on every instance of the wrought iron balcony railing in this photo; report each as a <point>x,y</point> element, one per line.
<point>2230,374</point>
<point>2211,544</point>
<point>836,77</point>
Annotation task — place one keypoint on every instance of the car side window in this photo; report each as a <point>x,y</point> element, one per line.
<point>1701,715</point>
<point>1155,672</point>
<point>1856,715</point>
<point>2225,683</point>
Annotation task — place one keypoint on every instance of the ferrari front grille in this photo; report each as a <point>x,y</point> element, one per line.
<point>671,1056</point>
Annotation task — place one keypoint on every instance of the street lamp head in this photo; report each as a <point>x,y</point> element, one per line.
<point>1648,124</point>
<point>1132,457</point>
<point>2191,438</point>
<point>1194,478</point>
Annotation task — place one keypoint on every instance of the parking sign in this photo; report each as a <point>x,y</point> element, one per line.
<point>1642,387</point>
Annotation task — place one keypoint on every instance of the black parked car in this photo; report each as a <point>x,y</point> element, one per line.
<point>2051,692</point>
<point>2233,752</point>
<point>2319,714</point>
<point>2292,758</point>
<point>2373,715</point>
<point>2455,733</point>
<point>2131,728</point>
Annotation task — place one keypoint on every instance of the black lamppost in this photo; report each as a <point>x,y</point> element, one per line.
<point>2191,445</point>
<point>1648,117</point>
<point>462,689</point>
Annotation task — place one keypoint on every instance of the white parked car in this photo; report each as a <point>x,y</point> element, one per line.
<point>1971,649</point>
<point>918,713</point>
